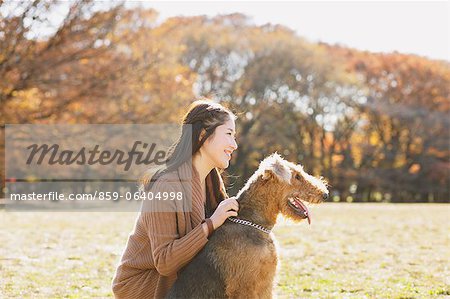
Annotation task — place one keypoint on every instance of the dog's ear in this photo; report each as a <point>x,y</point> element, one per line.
<point>267,174</point>
<point>276,169</point>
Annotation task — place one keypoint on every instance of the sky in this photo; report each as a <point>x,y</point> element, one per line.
<point>420,28</point>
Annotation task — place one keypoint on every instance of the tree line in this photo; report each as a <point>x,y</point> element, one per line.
<point>375,125</point>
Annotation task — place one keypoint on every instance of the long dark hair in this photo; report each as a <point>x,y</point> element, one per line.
<point>203,117</point>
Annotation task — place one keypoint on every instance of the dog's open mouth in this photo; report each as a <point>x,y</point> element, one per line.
<point>299,208</point>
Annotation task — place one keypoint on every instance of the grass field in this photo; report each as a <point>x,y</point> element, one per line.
<point>349,251</point>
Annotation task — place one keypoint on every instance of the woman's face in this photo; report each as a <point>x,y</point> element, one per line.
<point>219,146</point>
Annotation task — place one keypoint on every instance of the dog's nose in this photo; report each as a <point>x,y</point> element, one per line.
<point>325,196</point>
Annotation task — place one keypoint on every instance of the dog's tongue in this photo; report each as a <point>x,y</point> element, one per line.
<point>306,212</point>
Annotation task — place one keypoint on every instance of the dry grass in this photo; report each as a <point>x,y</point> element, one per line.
<point>349,251</point>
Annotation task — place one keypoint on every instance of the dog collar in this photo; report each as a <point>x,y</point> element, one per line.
<point>249,223</point>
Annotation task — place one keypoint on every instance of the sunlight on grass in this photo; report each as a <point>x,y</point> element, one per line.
<point>349,251</point>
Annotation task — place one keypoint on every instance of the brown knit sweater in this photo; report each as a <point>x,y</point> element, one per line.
<point>162,242</point>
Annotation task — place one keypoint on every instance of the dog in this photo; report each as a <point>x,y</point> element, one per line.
<point>240,258</point>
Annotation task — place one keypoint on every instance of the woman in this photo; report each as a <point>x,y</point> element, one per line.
<point>168,234</point>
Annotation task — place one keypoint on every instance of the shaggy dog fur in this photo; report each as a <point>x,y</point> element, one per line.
<point>240,261</point>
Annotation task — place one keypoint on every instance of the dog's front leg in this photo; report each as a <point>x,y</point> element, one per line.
<point>247,289</point>
<point>266,292</point>
<point>243,294</point>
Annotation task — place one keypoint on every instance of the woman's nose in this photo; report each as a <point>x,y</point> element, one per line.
<point>235,146</point>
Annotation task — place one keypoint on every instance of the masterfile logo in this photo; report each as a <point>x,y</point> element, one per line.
<point>82,166</point>
<point>52,154</point>
<point>86,151</point>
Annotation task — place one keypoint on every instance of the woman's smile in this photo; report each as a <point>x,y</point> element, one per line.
<point>228,153</point>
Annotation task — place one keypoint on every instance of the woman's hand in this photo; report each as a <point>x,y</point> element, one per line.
<point>226,208</point>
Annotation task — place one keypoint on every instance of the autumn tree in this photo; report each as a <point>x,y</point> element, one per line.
<point>401,147</point>
<point>375,125</point>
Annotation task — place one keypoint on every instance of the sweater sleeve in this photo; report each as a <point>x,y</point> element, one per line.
<point>170,252</point>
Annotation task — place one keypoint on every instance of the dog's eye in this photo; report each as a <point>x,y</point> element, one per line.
<point>298,177</point>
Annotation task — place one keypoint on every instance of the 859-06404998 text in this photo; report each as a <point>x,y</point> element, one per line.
<point>97,195</point>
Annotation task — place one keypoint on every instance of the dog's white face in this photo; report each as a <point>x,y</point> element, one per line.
<point>295,186</point>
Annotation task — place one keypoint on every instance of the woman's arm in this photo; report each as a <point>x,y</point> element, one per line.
<point>205,228</point>
<point>170,252</point>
